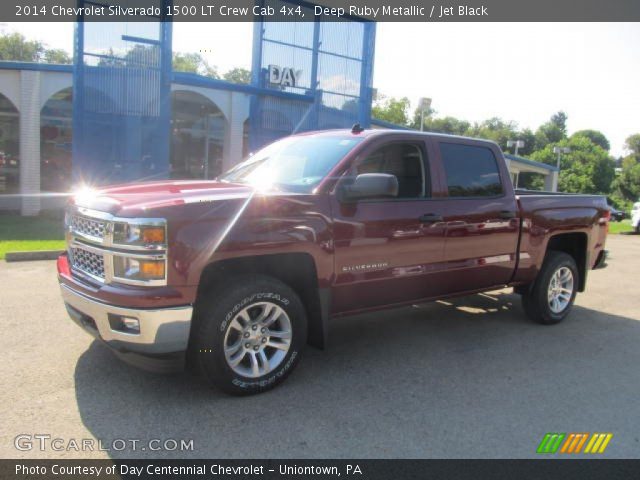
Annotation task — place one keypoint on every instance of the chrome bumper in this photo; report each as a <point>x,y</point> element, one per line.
<point>162,331</point>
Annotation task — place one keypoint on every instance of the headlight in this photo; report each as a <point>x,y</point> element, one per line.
<point>133,234</point>
<point>138,269</point>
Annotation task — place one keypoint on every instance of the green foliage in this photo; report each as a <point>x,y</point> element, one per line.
<point>57,55</point>
<point>15,47</point>
<point>587,168</point>
<point>627,183</point>
<point>633,145</point>
<point>392,110</point>
<point>238,75</point>
<point>494,129</point>
<point>194,63</point>
<point>595,136</point>
<point>447,125</point>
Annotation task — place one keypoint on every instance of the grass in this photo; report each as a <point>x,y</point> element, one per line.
<point>20,234</point>
<point>621,227</point>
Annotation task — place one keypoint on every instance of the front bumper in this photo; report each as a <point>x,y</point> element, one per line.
<point>162,331</point>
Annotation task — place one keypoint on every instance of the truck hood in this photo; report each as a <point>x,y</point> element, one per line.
<point>135,199</point>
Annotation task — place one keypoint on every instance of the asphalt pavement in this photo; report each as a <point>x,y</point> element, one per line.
<point>463,378</point>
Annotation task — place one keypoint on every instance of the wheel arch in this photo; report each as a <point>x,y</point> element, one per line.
<point>574,244</point>
<point>297,270</point>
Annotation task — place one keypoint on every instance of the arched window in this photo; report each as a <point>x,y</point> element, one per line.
<point>55,142</point>
<point>198,128</point>
<point>9,147</point>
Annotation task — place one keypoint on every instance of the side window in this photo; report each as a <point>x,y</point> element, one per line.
<point>405,161</point>
<point>471,171</point>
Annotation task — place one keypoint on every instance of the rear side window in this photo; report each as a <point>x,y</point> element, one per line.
<point>471,171</point>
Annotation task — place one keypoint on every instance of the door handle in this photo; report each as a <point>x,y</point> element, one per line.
<point>430,217</point>
<point>507,214</point>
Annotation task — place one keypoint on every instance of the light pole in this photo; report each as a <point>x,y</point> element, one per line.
<point>560,151</point>
<point>517,144</point>
<point>423,104</point>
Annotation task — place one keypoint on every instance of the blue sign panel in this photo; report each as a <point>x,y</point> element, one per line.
<point>122,74</point>
<point>328,63</point>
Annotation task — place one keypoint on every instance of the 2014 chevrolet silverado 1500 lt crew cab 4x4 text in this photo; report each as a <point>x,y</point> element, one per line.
<point>237,275</point>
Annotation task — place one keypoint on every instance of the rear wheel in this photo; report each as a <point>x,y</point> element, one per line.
<point>550,298</point>
<point>251,335</point>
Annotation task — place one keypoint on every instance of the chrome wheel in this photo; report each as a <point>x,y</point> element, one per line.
<point>257,339</point>
<point>560,289</point>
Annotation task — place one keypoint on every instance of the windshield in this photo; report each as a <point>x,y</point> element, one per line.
<point>293,164</point>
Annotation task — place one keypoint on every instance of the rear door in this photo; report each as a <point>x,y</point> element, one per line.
<point>482,224</point>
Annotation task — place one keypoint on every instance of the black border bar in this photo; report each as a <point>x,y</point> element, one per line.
<point>335,10</point>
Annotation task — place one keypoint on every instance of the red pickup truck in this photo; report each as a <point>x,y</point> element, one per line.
<point>237,275</point>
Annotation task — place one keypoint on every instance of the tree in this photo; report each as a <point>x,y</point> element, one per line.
<point>448,125</point>
<point>238,75</point>
<point>627,184</point>
<point>553,131</point>
<point>394,110</point>
<point>595,136</point>
<point>57,55</point>
<point>15,47</point>
<point>587,168</point>
<point>529,139</point>
<point>560,120</point>
<point>194,63</point>
<point>494,129</point>
<point>633,145</point>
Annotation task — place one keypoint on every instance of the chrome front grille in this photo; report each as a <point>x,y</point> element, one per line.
<point>87,262</point>
<point>88,226</point>
<point>95,243</point>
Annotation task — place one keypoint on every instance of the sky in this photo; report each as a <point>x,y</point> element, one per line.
<point>522,72</point>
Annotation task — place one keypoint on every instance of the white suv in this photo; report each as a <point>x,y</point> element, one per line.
<point>635,217</point>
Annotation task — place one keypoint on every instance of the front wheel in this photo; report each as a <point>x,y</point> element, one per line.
<point>549,300</point>
<point>250,335</point>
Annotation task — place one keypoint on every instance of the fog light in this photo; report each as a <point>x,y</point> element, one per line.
<point>124,324</point>
<point>131,323</point>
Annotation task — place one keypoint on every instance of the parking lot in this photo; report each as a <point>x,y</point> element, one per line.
<point>469,377</point>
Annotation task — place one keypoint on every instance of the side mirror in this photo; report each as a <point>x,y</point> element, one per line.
<point>370,185</point>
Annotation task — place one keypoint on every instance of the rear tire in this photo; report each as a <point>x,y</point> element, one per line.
<point>550,298</point>
<point>250,335</point>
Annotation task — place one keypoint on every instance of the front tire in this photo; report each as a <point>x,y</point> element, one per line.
<point>250,335</point>
<point>550,298</point>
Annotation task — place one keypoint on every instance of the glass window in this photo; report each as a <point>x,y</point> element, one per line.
<point>404,160</point>
<point>294,164</point>
<point>9,147</point>
<point>55,142</point>
<point>197,136</point>
<point>471,171</point>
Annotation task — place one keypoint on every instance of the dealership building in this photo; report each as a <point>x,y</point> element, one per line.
<point>121,113</point>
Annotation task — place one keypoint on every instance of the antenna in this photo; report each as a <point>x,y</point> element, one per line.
<point>357,128</point>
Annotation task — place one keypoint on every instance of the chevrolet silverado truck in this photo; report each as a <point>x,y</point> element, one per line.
<point>235,276</point>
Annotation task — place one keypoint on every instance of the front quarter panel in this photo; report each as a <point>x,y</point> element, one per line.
<point>259,224</point>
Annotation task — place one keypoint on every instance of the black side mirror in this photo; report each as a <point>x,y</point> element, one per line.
<point>370,185</point>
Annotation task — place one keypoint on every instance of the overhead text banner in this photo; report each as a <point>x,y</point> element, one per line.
<point>328,10</point>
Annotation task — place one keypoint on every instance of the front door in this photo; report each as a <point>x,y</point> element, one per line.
<point>387,250</point>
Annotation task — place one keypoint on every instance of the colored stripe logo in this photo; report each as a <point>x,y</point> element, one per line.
<point>574,443</point>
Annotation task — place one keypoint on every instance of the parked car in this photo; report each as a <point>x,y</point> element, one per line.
<point>635,217</point>
<point>237,275</point>
<point>617,215</point>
